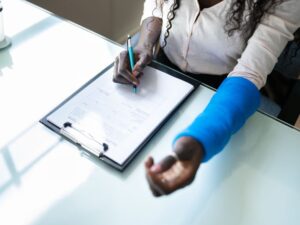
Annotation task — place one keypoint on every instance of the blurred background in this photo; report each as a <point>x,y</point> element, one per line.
<point>113,19</point>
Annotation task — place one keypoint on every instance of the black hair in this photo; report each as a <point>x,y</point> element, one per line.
<point>235,19</point>
<point>235,16</point>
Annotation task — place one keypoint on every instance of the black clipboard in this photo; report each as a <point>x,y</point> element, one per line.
<point>102,157</point>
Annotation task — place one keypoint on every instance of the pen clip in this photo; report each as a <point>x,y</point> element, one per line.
<point>84,139</point>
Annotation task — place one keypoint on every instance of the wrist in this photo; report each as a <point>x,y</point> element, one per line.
<point>149,33</point>
<point>187,148</point>
<point>145,46</point>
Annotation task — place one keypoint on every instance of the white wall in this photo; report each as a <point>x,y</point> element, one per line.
<point>111,18</point>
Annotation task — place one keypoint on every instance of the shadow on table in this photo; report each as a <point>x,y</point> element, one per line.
<point>15,160</point>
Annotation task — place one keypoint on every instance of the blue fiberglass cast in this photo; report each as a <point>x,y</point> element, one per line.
<point>235,100</point>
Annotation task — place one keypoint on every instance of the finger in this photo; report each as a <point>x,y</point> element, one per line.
<point>138,69</point>
<point>158,179</point>
<point>152,187</point>
<point>140,65</point>
<point>148,163</point>
<point>158,182</point>
<point>178,177</point>
<point>117,78</point>
<point>123,69</point>
<point>145,59</point>
<point>162,177</point>
<point>163,165</point>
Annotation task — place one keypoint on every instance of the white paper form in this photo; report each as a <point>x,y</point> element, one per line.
<point>112,113</point>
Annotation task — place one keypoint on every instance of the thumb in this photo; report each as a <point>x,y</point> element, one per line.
<point>165,164</point>
<point>149,162</point>
<point>140,65</point>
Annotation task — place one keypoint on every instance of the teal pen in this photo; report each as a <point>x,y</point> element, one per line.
<point>131,58</point>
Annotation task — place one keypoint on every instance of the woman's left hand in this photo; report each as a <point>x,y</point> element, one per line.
<point>173,173</point>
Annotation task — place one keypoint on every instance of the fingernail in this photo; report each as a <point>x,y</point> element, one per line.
<point>135,73</point>
<point>155,168</point>
<point>136,83</point>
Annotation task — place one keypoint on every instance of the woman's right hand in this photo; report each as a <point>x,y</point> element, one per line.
<point>122,73</point>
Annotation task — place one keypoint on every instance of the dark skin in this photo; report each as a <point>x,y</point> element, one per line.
<point>169,174</point>
<point>143,53</point>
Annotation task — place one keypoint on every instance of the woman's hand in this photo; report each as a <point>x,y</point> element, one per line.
<point>122,73</point>
<point>143,53</point>
<point>171,174</point>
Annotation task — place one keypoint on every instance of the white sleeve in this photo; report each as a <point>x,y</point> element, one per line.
<point>268,41</point>
<point>152,8</point>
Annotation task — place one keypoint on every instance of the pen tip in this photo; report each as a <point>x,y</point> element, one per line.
<point>128,36</point>
<point>134,89</point>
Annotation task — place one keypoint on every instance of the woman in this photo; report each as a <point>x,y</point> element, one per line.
<point>241,38</point>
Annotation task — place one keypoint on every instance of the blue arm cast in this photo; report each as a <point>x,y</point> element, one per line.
<point>235,100</point>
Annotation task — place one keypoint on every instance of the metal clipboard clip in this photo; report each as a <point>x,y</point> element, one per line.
<point>84,139</point>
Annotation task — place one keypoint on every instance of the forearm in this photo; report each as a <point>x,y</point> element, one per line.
<point>234,102</point>
<point>149,33</point>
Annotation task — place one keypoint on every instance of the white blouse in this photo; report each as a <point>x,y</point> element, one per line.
<point>198,43</point>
